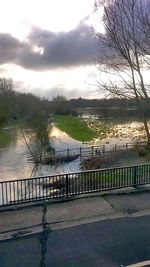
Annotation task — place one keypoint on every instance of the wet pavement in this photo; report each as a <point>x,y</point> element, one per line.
<point>108,243</point>
<point>110,229</point>
<point>27,219</point>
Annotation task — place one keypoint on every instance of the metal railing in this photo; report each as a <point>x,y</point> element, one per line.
<point>69,184</point>
<point>84,152</point>
<point>99,150</point>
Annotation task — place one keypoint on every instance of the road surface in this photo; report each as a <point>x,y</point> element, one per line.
<point>106,243</point>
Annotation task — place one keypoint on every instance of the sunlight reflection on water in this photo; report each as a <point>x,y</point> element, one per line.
<point>13,157</point>
<point>13,153</point>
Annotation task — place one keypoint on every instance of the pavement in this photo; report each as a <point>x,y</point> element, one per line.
<point>108,243</point>
<point>19,220</point>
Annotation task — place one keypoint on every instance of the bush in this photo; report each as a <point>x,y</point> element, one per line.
<point>106,161</point>
<point>142,151</point>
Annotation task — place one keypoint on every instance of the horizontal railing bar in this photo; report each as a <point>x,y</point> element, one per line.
<point>74,173</point>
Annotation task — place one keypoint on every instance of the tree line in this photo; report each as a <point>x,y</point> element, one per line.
<point>17,106</point>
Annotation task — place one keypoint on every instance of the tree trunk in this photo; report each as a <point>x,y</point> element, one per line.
<point>147,133</point>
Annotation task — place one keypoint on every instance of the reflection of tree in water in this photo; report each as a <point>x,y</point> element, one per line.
<point>8,136</point>
<point>43,170</point>
<point>44,237</point>
<point>35,188</point>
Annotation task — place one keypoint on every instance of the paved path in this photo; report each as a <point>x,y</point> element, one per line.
<point>27,220</point>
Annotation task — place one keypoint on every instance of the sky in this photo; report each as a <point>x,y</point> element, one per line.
<point>47,47</point>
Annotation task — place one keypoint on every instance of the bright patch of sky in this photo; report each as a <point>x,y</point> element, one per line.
<point>18,18</point>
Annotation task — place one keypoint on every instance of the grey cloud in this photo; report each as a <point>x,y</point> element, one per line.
<point>65,49</point>
<point>60,50</point>
<point>11,49</point>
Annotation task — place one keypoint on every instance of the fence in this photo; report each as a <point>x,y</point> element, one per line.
<point>69,184</point>
<point>84,152</point>
<point>98,150</point>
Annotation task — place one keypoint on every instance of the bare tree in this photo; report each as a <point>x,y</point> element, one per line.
<point>126,50</point>
<point>6,85</point>
<point>6,90</point>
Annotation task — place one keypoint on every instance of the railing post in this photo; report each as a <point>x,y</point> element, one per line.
<point>126,146</point>
<point>92,150</point>
<point>67,185</point>
<point>135,176</point>
<point>103,150</point>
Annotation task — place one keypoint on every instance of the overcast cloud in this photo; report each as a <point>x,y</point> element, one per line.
<point>51,92</point>
<point>45,50</point>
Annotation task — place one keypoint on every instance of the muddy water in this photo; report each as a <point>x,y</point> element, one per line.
<point>14,154</point>
<point>13,151</point>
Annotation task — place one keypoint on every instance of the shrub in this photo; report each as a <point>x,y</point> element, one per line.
<point>106,161</point>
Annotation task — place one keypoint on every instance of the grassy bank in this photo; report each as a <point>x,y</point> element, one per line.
<point>115,159</point>
<point>75,127</point>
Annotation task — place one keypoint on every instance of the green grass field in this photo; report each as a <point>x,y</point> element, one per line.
<point>75,127</point>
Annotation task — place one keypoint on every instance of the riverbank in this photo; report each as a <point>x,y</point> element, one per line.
<point>117,159</point>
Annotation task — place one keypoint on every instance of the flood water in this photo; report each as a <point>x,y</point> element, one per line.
<point>14,162</point>
<point>14,154</point>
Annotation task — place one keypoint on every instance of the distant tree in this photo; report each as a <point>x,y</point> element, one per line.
<point>19,106</point>
<point>6,85</point>
<point>60,105</point>
<point>59,98</point>
<point>6,92</point>
<point>126,48</point>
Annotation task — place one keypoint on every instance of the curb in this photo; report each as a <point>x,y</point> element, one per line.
<point>60,225</point>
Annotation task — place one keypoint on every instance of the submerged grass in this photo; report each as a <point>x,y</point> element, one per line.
<point>75,127</point>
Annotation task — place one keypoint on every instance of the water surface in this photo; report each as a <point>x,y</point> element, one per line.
<point>14,154</point>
